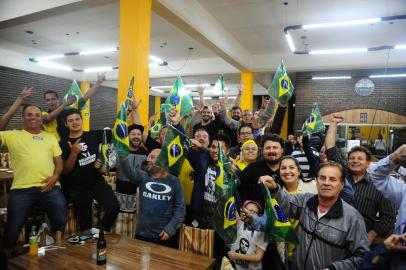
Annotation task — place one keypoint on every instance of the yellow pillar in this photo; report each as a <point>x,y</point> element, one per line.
<point>247,98</point>
<point>157,106</point>
<point>284,129</point>
<point>84,86</point>
<point>135,32</point>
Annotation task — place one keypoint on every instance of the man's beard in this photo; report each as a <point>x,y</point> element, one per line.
<point>236,118</point>
<point>136,144</point>
<point>274,161</point>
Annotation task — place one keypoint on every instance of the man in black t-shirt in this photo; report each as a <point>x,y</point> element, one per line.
<point>79,152</point>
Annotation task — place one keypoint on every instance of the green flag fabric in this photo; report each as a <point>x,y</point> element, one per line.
<point>75,94</point>
<point>129,97</point>
<point>277,227</point>
<point>178,99</point>
<point>281,87</point>
<point>219,87</point>
<point>174,151</point>
<point>314,123</point>
<point>156,128</point>
<point>120,132</point>
<point>224,218</point>
<point>103,151</point>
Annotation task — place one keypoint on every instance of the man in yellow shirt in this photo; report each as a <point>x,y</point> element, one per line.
<point>37,165</point>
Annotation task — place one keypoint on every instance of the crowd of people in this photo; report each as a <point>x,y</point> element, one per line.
<point>345,215</point>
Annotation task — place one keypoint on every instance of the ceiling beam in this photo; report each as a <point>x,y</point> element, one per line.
<point>191,18</point>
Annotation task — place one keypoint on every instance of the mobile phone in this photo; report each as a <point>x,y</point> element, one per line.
<point>86,236</point>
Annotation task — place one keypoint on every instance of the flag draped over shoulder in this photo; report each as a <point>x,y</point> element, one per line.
<point>314,123</point>
<point>129,97</point>
<point>174,151</point>
<point>103,151</point>
<point>178,99</point>
<point>156,128</point>
<point>224,218</point>
<point>120,132</point>
<point>277,225</point>
<point>219,87</point>
<point>281,87</point>
<point>75,94</point>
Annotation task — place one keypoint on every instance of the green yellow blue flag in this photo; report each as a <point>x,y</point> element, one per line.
<point>120,132</point>
<point>314,123</point>
<point>277,227</point>
<point>156,128</point>
<point>129,97</point>
<point>103,151</point>
<point>75,94</point>
<point>219,87</point>
<point>224,218</point>
<point>281,87</point>
<point>178,99</point>
<point>174,151</point>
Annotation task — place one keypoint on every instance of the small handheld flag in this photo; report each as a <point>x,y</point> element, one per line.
<point>178,99</point>
<point>103,151</point>
<point>120,132</point>
<point>219,87</point>
<point>75,94</point>
<point>129,94</point>
<point>314,123</point>
<point>281,87</point>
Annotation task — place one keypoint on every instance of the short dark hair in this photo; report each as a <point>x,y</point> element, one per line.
<point>202,129</point>
<point>243,126</point>
<point>236,108</point>
<point>273,138</point>
<point>51,92</point>
<point>135,126</point>
<point>29,105</point>
<point>70,112</point>
<point>360,149</point>
<point>330,163</point>
<point>222,138</point>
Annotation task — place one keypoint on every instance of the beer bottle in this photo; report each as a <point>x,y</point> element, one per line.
<point>101,249</point>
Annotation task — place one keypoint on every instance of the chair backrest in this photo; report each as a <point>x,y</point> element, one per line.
<point>198,241</point>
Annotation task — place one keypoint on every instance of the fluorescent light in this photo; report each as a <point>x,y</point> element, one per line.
<point>156,59</point>
<point>388,76</point>
<point>98,51</point>
<point>399,47</point>
<point>96,69</point>
<point>232,97</point>
<point>332,78</point>
<point>290,42</point>
<point>186,85</point>
<point>205,98</point>
<point>39,59</point>
<point>55,66</point>
<point>339,24</point>
<point>339,51</point>
<point>153,65</point>
<point>158,90</point>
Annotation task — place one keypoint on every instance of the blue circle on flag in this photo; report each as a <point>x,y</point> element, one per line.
<point>174,99</point>
<point>73,97</point>
<point>121,131</point>
<point>310,119</point>
<point>230,211</point>
<point>174,150</point>
<point>155,127</point>
<point>279,214</point>
<point>284,84</point>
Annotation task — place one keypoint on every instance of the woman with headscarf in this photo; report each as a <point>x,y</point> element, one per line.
<point>248,155</point>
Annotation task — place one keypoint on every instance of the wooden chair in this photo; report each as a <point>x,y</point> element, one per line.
<point>198,241</point>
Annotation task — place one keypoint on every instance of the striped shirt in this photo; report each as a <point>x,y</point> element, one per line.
<point>303,162</point>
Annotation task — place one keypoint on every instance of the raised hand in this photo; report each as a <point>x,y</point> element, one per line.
<point>135,103</point>
<point>174,117</point>
<point>399,156</point>
<point>337,118</point>
<point>200,90</point>
<point>75,148</point>
<point>26,92</point>
<point>101,77</point>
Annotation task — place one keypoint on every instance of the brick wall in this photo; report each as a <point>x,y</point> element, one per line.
<point>338,95</point>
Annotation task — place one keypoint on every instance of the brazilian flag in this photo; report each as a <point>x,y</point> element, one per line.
<point>156,128</point>
<point>174,151</point>
<point>224,218</point>
<point>75,93</point>
<point>103,151</point>
<point>281,87</point>
<point>277,227</point>
<point>129,97</point>
<point>178,99</point>
<point>314,123</point>
<point>120,132</point>
<point>219,87</point>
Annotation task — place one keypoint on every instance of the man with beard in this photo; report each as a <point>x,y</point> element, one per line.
<point>162,203</point>
<point>207,123</point>
<point>125,189</point>
<point>52,121</point>
<point>236,113</point>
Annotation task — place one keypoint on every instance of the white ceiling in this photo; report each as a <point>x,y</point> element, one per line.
<point>252,32</point>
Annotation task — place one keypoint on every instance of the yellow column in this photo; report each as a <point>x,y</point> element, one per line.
<point>284,129</point>
<point>157,106</point>
<point>84,86</point>
<point>135,31</point>
<point>247,98</point>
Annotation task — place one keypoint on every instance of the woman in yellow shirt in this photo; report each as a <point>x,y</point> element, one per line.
<point>248,155</point>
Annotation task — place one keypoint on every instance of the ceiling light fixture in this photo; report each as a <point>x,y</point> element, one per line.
<point>339,51</point>
<point>98,51</point>
<point>205,98</point>
<point>400,47</point>
<point>158,90</point>
<point>186,85</point>
<point>339,24</point>
<point>54,66</point>
<point>332,78</point>
<point>387,76</point>
<point>39,59</point>
<point>97,69</point>
<point>290,42</point>
<point>156,59</point>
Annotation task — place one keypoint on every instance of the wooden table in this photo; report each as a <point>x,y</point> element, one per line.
<point>5,176</point>
<point>122,253</point>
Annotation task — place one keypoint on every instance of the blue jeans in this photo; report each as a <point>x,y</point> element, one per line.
<point>21,201</point>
